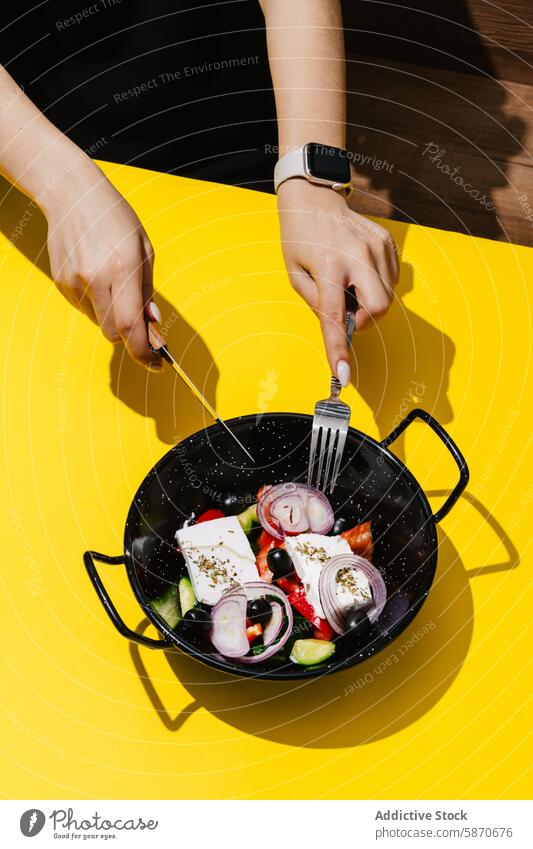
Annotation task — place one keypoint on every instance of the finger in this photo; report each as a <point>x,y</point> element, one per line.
<point>372,296</point>
<point>332,314</point>
<point>147,284</point>
<point>76,298</point>
<point>103,308</point>
<point>128,311</point>
<point>303,283</point>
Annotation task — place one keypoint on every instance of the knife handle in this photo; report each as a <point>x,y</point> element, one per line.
<point>155,338</point>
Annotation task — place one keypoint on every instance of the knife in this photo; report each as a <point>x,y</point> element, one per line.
<point>159,346</point>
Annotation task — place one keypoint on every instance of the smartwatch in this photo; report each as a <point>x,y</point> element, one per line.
<point>317,163</point>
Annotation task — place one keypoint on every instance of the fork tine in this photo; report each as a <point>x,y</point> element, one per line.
<point>312,452</point>
<point>324,431</point>
<point>332,440</point>
<point>338,457</point>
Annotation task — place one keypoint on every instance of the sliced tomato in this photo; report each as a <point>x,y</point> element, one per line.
<point>254,631</point>
<point>266,539</point>
<point>300,602</point>
<point>360,540</point>
<point>288,585</point>
<point>209,515</point>
<point>261,562</point>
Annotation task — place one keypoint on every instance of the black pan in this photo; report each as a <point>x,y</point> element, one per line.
<point>199,472</point>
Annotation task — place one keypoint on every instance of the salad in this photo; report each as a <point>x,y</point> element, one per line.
<point>279,579</point>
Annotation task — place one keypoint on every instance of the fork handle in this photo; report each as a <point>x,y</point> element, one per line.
<point>350,327</point>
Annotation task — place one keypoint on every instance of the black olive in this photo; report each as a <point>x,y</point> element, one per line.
<point>196,620</point>
<point>339,526</point>
<point>259,611</point>
<point>279,563</point>
<point>357,622</point>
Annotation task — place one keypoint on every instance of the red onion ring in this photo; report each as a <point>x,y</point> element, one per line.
<point>274,624</point>
<point>249,591</point>
<point>327,588</point>
<point>230,610</point>
<point>293,508</point>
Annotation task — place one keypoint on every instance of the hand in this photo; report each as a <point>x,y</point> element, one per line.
<point>101,257</point>
<point>328,248</point>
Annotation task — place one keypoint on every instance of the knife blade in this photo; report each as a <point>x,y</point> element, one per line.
<point>159,346</point>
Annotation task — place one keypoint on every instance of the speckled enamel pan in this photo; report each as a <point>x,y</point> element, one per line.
<point>373,484</point>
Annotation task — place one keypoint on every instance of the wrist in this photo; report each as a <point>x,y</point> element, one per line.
<point>63,175</point>
<point>298,190</point>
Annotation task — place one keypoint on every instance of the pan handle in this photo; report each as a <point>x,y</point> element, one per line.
<point>464,474</point>
<point>88,558</point>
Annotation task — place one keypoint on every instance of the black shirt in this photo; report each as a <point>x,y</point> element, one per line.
<point>182,87</point>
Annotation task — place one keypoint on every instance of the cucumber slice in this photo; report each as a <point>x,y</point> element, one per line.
<point>188,599</point>
<point>309,652</point>
<point>167,606</point>
<point>248,518</point>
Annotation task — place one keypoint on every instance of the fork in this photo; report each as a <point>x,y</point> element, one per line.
<point>330,428</point>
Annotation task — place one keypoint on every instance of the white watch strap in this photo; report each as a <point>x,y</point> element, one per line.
<point>292,164</point>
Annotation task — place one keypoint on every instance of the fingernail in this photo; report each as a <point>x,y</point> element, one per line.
<point>343,372</point>
<point>155,367</point>
<point>155,312</point>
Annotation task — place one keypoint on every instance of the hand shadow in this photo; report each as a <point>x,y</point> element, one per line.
<point>23,223</point>
<point>368,702</point>
<point>164,397</point>
<point>403,362</point>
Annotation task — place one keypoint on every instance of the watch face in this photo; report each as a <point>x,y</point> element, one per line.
<point>328,163</point>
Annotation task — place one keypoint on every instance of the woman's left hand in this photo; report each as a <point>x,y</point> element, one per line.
<point>327,248</point>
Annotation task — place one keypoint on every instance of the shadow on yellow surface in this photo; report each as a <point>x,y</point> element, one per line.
<point>365,703</point>
<point>23,223</point>
<point>404,361</point>
<point>164,397</point>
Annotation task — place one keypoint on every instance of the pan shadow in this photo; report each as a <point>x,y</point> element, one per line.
<point>164,397</point>
<point>371,701</point>
<point>404,361</point>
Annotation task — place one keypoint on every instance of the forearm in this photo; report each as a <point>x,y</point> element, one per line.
<point>34,154</point>
<point>306,55</point>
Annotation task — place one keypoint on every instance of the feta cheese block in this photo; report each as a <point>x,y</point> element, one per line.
<point>218,556</point>
<point>309,553</point>
<point>352,588</point>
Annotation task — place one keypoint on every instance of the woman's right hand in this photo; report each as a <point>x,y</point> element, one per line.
<point>101,257</point>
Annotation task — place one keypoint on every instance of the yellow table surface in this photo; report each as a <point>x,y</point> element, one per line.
<point>443,712</point>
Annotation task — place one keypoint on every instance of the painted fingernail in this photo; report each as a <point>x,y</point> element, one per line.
<point>155,312</point>
<point>343,372</point>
